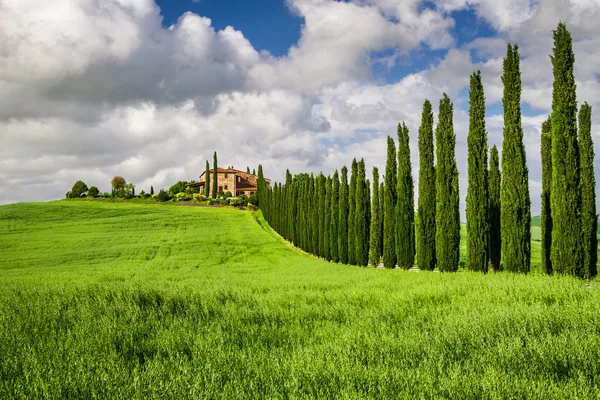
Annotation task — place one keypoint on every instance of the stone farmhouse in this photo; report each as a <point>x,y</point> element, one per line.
<point>230,180</point>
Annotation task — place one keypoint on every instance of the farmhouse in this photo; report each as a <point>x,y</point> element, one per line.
<point>231,180</point>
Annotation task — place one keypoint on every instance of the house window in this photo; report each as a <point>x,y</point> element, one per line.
<point>225,176</point>
<point>220,188</point>
<point>225,187</point>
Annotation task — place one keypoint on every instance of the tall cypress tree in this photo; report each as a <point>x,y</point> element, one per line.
<point>447,228</point>
<point>565,198</point>
<point>381,214</point>
<point>321,183</point>
<point>405,206</point>
<point>477,192</point>
<point>361,217</point>
<point>207,180</point>
<point>215,177</point>
<point>375,231</point>
<point>546,220</point>
<point>389,207</point>
<point>343,219</point>
<point>426,202</point>
<point>589,219</point>
<point>335,212</point>
<point>327,218</point>
<point>261,188</point>
<point>351,215</point>
<point>514,192</point>
<point>494,204</point>
<point>315,215</point>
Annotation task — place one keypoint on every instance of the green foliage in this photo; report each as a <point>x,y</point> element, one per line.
<point>426,203</point>
<point>361,217</point>
<point>389,207</point>
<point>335,217</point>
<point>207,180</point>
<point>163,196</point>
<point>151,190</point>
<point>375,231</point>
<point>253,199</point>
<point>170,306</point>
<point>589,219</point>
<point>343,219</point>
<point>495,210</point>
<point>477,210</point>
<point>179,187</point>
<point>227,194</point>
<point>447,197</point>
<point>405,205</point>
<point>566,249</point>
<point>215,180</point>
<point>78,189</point>
<point>327,219</point>
<point>93,192</point>
<point>546,218</point>
<point>351,215</point>
<point>514,192</point>
<point>118,183</point>
<point>240,201</point>
<point>321,194</point>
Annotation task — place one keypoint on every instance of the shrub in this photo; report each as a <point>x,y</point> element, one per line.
<point>105,195</point>
<point>68,195</point>
<point>199,197</point>
<point>227,194</point>
<point>163,196</point>
<point>93,192</point>
<point>253,199</point>
<point>78,188</point>
<point>240,201</point>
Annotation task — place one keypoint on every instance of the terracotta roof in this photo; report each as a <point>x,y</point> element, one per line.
<point>195,184</point>
<point>229,171</point>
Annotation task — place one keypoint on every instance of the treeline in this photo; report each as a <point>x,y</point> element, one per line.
<point>345,218</point>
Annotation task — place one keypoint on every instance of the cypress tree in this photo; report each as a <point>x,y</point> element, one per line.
<point>315,215</point>
<point>151,190</point>
<point>335,212</point>
<point>351,215</point>
<point>426,202</point>
<point>248,170</point>
<point>254,172</point>
<point>207,180</point>
<point>343,220</point>
<point>261,188</point>
<point>589,219</point>
<point>494,204</point>
<point>389,207</point>
<point>515,226</point>
<point>327,218</point>
<point>546,219</point>
<point>321,183</point>
<point>215,179</point>
<point>381,214</point>
<point>361,217</point>
<point>477,192</point>
<point>375,231</point>
<point>566,251</point>
<point>405,206</point>
<point>447,228</point>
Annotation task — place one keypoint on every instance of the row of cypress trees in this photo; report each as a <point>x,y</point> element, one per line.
<point>349,223</point>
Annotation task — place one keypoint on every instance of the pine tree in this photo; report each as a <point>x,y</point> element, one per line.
<point>207,180</point>
<point>565,198</point>
<point>351,216</point>
<point>405,206</point>
<point>589,219</point>
<point>343,220</point>
<point>327,218</point>
<point>335,212</point>
<point>375,231</point>
<point>515,226</point>
<point>477,193</point>
<point>426,203</point>
<point>361,217</point>
<point>494,213</point>
<point>389,207</point>
<point>215,179</point>
<point>546,219</point>
<point>447,197</point>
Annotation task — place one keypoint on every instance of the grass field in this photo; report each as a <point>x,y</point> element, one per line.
<point>101,300</point>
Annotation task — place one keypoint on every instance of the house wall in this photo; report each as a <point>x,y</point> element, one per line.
<point>227,183</point>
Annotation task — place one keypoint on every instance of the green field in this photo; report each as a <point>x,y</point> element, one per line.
<point>103,300</point>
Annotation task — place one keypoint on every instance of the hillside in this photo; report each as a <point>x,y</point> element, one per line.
<point>121,301</point>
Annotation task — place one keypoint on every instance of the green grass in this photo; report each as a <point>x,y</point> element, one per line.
<point>150,301</point>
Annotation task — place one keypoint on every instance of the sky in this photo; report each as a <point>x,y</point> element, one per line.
<point>149,89</point>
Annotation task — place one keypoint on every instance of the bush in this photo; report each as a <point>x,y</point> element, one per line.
<point>78,188</point>
<point>93,192</point>
<point>163,196</point>
<point>68,195</point>
<point>253,199</point>
<point>240,201</point>
<point>227,194</point>
<point>199,197</point>
<point>105,195</point>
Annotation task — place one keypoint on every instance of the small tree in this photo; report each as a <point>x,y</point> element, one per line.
<point>118,183</point>
<point>78,189</point>
<point>151,190</point>
<point>93,191</point>
<point>163,196</point>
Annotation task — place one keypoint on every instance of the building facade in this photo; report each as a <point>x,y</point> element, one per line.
<point>230,180</point>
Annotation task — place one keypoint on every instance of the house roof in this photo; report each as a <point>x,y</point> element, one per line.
<point>229,171</point>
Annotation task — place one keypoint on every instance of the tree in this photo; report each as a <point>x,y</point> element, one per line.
<point>321,194</point>
<point>215,183</point>
<point>447,197</point>
<point>426,202</point>
<point>254,171</point>
<point>381,214</point>
<point>118,183</point>
<point>151,190</point>
<point>327,219</point>
<point>78,189</point>
<point>261,188</point>
<point>375,237</point>
<point>93,192</point>
<point>248,170</point>
<point>589,219</point>
<point>343,224</point>
<point>546,219</point>
<point>361,217</point>
<point>565,198</point>
<point>494,213</point>
<point>477,192</point>
<point>405,206</point>
<point>351,217</point>
<point>163,195</point>
<point>389,208</point>
<point>514,193</point>
<point>179,187</point>
<point>335,212</point>
<point>207,180</point>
